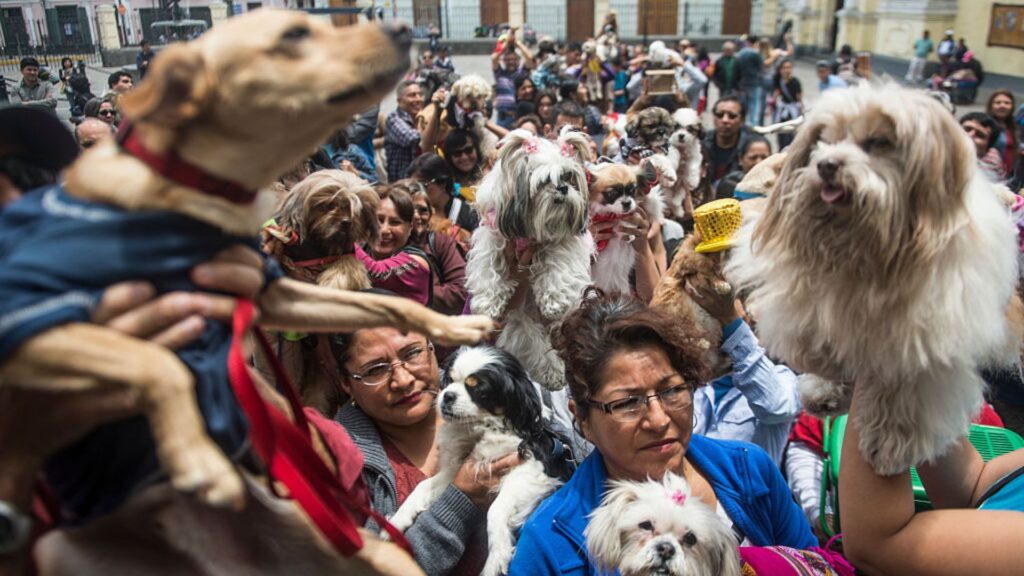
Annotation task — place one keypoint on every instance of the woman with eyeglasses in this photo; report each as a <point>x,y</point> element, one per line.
<point>103,108</point>
<point>462,151</point>
<point>632,373</point>
<point>391,262</point>
<point>393,380</point>
<point>436,175</point>
<point>445,253</point>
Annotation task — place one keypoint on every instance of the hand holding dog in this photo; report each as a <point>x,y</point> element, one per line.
<point>480,483</point>
<point>34,423</point>
<point>721,306</point>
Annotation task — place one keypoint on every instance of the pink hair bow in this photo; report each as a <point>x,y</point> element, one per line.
<point>531,145</point>
<point>567,150</point>
<point>677,496</point>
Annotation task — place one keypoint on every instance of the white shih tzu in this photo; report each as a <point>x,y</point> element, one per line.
<point>885,259</point>
<point>492,409</point>
<point>535,196</point>
<point>685,156</point>
<point>660,528</point>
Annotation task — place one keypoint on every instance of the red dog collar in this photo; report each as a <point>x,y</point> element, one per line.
<point>178,170</point>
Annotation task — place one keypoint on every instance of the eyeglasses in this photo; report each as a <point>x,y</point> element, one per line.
<point>632,408</point>
<point>730,115</point>
<point>413,359</point>
<point>106,113</point>
<point>462,152</point>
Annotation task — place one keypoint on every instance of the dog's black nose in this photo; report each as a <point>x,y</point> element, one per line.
<point>563,189</point>
<point>828,169</point>
<point>627,204</point>
<point>665,550</point>
<point>400,34</point>
<point>447,399</point>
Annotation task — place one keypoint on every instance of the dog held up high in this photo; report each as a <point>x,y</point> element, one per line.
<point>216,121</point>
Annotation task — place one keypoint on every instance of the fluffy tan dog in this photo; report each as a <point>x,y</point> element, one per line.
<point>883,258</point>
<point>233,110</point>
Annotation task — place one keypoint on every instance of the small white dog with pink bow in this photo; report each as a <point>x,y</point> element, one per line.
<point>535,197</point>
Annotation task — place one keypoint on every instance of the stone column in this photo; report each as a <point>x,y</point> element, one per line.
<point>901,22</point>
<point>601,8</point>
<point>516,13</point>
<point>218,12</point>
<point>106,17</point>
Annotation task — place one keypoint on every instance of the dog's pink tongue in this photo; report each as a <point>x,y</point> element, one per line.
<point>832,194</point>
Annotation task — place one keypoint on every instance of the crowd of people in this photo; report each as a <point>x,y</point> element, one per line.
<point>640,400</point>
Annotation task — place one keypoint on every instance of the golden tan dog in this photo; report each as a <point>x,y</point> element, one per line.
<point>241,105</point>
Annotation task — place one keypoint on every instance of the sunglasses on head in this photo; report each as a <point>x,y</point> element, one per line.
<point>462,152</point>
<point>726,113</point>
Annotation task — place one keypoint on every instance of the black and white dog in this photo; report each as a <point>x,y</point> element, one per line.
<point>491,409</point>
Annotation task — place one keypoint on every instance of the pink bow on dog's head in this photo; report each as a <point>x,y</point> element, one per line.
<point>677,496</point>
<point>531,145</point>
<point>567,150</point>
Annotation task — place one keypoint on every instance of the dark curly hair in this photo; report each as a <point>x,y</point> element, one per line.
<point>603,325</point>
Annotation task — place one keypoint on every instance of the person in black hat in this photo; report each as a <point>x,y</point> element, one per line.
<point>34,147</point>
<point>31,91</point>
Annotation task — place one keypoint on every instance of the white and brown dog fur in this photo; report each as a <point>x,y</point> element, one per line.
<point>471,94</point>
<point>684,153</point>
<point>659,528</point>
<point>536,195</point>
<point>618,190</point>
<point>492,409</point>
<point>245,102</point>
<point>885,260</point>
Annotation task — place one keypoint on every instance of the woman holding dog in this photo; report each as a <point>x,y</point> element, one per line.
<point>632,374</point>
<point>391,261</point>
<point>393,380</point>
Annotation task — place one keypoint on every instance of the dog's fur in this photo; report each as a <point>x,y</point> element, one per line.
<point>472,94</point>
<point>245,102</point>
<point>660,528</point>
<point>652,127</point>
<point>690,270</point>
<point>535,194</point>
<point>885,260</point>
<point>685,156</point>
<point>492,409</point>
<point>618,190</point>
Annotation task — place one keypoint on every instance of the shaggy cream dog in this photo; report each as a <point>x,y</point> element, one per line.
<point>884,258</point>
<point>467,108</point>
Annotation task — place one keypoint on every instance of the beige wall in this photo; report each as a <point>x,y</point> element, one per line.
<point>973,25</point>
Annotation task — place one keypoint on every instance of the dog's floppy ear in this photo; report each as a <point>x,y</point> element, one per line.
<point>633,126</point>
<point>368,214</point>
<point>175,89</point>
<point>604,543</point>
<point>647,176</point>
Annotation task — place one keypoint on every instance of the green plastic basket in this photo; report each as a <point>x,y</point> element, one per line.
<point>990,442</point>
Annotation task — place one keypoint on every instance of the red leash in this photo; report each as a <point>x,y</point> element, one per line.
<point>288,451</point>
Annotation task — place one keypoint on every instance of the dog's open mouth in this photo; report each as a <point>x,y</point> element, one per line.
<point>831,194</point>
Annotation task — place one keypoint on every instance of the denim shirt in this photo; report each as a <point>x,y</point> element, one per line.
<point>761,400</point>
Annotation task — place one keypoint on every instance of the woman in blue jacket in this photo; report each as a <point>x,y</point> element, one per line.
<point>631,373</point>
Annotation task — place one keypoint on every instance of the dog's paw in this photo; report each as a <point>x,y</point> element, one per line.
<point>821,397</point>
<point>497,563</point>
<point>202,469</point>
<point>402,520</point>
<point>461,330</point>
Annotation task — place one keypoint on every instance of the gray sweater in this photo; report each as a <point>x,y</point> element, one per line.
<point>440,535</point>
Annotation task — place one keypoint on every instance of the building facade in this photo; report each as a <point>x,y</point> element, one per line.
<point>993,31</point>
